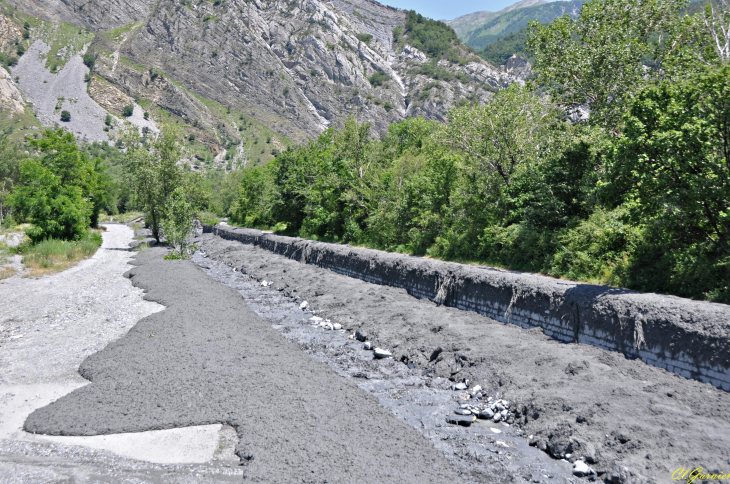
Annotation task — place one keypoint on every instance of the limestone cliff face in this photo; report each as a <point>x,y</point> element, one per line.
<point>296,66</point>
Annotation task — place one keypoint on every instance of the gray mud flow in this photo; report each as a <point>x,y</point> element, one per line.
<point>632,422</point>
<point>208,358</point>
<point>483,452</point>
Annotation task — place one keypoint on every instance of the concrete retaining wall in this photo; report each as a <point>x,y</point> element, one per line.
<point>691,338</point>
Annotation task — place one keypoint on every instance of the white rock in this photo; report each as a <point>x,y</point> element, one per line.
<point>381,353</point>
<point>337,326</point>
<point>263,283</point>
<point>328,326</point>
<point>581,469</point>
<point>367,345</point>
<point>304,305</point>
<point>315,319</point>
<point>476,389</point>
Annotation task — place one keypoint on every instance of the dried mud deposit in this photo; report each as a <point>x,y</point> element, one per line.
<point>632,422</point>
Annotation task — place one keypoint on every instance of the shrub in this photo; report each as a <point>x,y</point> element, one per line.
<point>388,106</point>
<point>378,79</point>
<point>20,49</point>
<point>128,110</point>
<point>65,116</point>
<point>89,60</point>
<point>207,218</point>
<point>364,37</point>
<point>108,120</point>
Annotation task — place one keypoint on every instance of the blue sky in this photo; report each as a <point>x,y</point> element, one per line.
<point>449,9</point>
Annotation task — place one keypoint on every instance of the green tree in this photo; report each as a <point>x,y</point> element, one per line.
<point>154,173</point>
<point>11,156</point>
<point>673,160</point>
<point>60,190</point>
<point>65,116</point>
<point>178,222</point>
<point>603,56</point>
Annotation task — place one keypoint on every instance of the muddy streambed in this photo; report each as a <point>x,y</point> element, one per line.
<point>483,452</point>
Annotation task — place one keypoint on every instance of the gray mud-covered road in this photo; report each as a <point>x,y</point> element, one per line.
<point>209,359</point>
<point>47,327</point>
<point>630,421</point>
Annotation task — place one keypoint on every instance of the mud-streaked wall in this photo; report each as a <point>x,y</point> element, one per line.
<point>691,338</point>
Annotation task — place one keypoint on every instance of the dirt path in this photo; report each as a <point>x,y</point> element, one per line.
<point>47,327</point>
<point>631,421</point>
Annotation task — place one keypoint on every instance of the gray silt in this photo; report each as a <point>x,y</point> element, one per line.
<point>208,358</point>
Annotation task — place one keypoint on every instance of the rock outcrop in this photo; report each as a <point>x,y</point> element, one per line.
<point>297,67</point>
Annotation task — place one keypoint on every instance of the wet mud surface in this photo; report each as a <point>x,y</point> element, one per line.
<point>629,421</point>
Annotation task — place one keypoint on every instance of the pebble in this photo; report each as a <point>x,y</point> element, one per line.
<point>504,414</point>
<point>464,420</point>
<point>486,414</point>
<point>476,389</point>
<point>263,283</point>
<point>329,326</point>
<point>337,326</point>
<point>497,417</point>
<point>581,469</point>
<point>304,305</point>
<point>460,386</point>
<point>367,346</point>
<point>381,353</point>
<point>462,411</point>
<point>315,318</point>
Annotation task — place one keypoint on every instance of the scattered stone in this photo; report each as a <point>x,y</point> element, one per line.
<point>497,417</point>
<point>381,353</point>
<point>462,411</point>
<point>464,396</point>
<point>315,319</point>
<point>476,389</point>
<point>581,469</point>
<point>463,420</point>
<point>337,326</point>
<point>360,336</point>
<point>304,305</point>
<point>486,413</point>
<point>460,386</point>
<point>504,414</point>
<point>367,346</point>
<point>329,326</point>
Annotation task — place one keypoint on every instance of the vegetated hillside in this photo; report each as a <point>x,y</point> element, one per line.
<point>295,68</point>
<point>467,23</point>
<point>511,20</point>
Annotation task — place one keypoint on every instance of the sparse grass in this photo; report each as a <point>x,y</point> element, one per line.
<point>65,40</point>
<point>6,272</point>
<point>51,256</point>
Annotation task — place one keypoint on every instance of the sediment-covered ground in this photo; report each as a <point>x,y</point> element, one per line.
<point>48,326</point>
<point>631,422</point>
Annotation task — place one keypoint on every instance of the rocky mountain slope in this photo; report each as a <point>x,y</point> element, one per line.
<point>222,68</point>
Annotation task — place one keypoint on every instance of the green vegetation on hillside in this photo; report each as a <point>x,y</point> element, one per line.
<point>512,21</point>
<point>433,37</point>
<point>497,52</point>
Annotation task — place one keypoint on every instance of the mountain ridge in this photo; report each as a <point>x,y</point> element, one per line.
<point>295,67</point>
